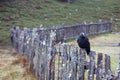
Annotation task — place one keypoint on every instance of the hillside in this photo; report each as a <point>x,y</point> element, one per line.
<point>33,13</point>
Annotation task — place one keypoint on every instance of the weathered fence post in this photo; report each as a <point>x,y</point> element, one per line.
<point>26,42</point>
<point>108,73</point>
<point>99,67</point>
<point>73,68</point>
<point>81,64</point>
<point>35,46</point>
<point>32,50</point>
<point>16,38</point>
<point>59,64</point>
<point>119,68</point>
<point>110,26</point>
<point>91,66</point>
<point>12,36</point>
<point>84,27</point>
<point>40,64</point>
<point>52,51</point>
<point>64,58</point>
<point>107,63</point>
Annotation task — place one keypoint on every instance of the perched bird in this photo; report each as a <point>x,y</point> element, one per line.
<point>83,42</point>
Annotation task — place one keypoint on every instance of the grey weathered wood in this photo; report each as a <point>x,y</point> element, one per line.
<point>91,66</point>
<point>31,60</point>
<point>108,73</point>
<point>99,67</point>
<point>107,63</point>
<point>65,55</point>
<point>60,68</point>
<point>69,60</point>
<point>81,64</point>
<point>119,68</point>
<point>52,53</point>
<point>74,59</point>
<point>58,60</point>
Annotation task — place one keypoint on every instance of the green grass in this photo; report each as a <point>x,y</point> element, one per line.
<point>29,13</point>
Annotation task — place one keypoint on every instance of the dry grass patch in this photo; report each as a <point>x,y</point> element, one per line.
<point>104,39</point>
<point>15,67</point>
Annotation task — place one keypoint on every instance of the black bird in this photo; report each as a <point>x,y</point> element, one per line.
<point>83,42</point>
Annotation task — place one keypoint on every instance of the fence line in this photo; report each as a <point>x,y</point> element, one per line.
<point>72,31</point>
<point>52,61</point>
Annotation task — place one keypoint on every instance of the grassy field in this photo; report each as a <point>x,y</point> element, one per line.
<point>29,13</point>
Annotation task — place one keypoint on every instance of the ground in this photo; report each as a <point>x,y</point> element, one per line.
<point>16,67</point>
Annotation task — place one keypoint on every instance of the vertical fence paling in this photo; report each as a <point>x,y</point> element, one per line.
<point>64,54</point>
<point>91,66</point>
<point>99,67</point>
<point>108,72</point>
<point>119,68</point>
<point>81,61</point>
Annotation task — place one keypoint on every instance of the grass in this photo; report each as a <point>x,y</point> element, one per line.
<point>14,67</point>
<point>104,39</point>
<point>29,13</point>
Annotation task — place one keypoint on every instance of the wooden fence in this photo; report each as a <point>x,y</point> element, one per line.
<point>52,61</point>
<point>68,1</point>
<point>72,31</point>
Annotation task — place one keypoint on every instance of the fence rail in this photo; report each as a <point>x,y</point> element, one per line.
<point>52,61</point>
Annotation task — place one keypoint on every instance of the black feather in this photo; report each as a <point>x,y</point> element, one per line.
<point>83,42</point>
